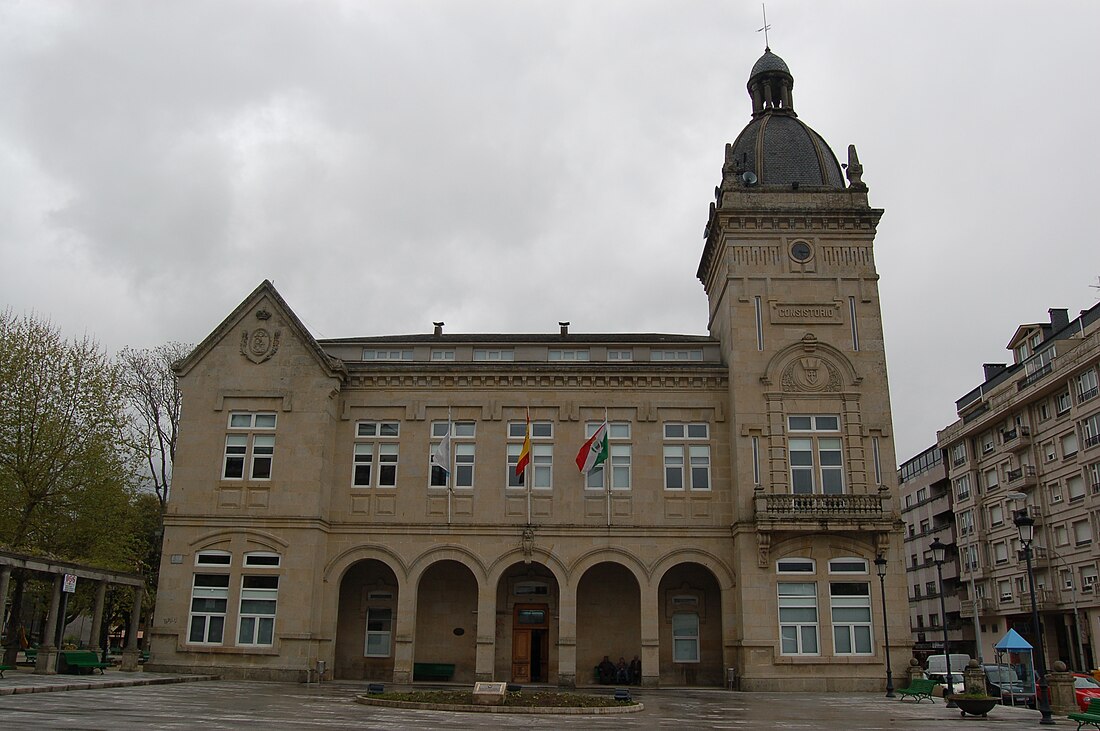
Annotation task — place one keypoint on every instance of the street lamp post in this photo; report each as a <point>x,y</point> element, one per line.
<point>939,552</point>
<point>1025,524</point>
<point>880,567</point>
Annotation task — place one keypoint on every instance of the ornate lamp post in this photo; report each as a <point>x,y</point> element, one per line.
<point>1025,524</point>
<point>880,567</point>
<point>939,552</point>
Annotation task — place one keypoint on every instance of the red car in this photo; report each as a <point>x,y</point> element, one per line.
<point>1085,688</point>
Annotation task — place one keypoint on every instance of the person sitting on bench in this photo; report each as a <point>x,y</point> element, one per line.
<point>606,670</point>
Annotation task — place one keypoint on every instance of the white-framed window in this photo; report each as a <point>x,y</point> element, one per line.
<point>1000,552</point>
<point>1043,410</point>
<point>1061,535</point>
<point>531,588</point>
<point>1082,532</point>
<point>494,354</point>
<point>689,354</point>
<point>687,465</point>
<point>798,618</point>
<point>620,355</point>
<point>574,354</point>
<point>992,479</point>
<point>971,557</point>
<point>462,453</point>
<point>1062,403</point>
<point>850,603</point>
<point>1086,386</point>
<point>251,442</point>
<point>1090,428</point>
<point>379,632</point>
<point>987,442</point>
<point>962,487</point>
<point>259,595</point>
<point>262,559</point>
<point>796,565</point>
<point>816,455</point>
<point>443,355</point>
<point>1088,578</point>
<point>213,558</point>
<point>685,637</point>
<point>374,462</point>
<point>1004,590</point>
<point>209,599</point>
<point>848,565</point>
<point>387,354</point>
<point>1050,452</point>
<point>958,454</point>
<point>1093,471</point>
<point>1055,491</point>
<point>541,470</point>
<point>619,449</point>
<point>966,522</point>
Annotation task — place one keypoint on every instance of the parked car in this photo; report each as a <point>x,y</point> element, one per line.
<point>957,683</point>
<point>1002,680</point>
<point>1085,688</point>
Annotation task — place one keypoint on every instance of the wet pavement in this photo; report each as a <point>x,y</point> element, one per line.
<point>151,701</point>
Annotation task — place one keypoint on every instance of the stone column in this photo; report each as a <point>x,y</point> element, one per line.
<point>97,616</point>
<point>567,639</point>
<point>131,654</point>
<point>651,635</point>
<point>1062,698</point>
<point>915,672</point>
<point>485,663</point>
<point>404,628</point>
<point>5,577</point>
<point>46,664</point>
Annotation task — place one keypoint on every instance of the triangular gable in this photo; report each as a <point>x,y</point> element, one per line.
<point>1022,333</point>
<point>332,366</point>
<point>1012,642</point>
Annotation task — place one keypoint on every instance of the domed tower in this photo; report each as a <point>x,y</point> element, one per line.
<point>788,267</point>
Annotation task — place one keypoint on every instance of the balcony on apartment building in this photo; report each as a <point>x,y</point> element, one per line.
<point>1021,478</point>
<point>786,512</point>
<point>1017,438</point>
<point>1045,599</point>
<point>985,606</point>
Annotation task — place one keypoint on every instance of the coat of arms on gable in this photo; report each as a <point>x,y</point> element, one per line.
<point>259,344</point>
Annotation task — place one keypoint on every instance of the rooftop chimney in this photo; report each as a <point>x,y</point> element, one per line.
<point>992,369</point>
<point>564,327</point>
<point>1059,318</point>
<point>438,328</point>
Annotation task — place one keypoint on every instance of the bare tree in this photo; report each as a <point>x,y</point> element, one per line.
<point>153,396</point>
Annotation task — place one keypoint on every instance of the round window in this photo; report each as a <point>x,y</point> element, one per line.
<point>801,251</point>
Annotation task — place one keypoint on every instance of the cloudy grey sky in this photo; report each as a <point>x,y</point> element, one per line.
<point>502,165</point>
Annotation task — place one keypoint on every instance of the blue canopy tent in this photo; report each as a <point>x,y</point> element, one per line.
<point>1019,657</point>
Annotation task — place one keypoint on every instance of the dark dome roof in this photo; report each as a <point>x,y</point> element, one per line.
<point>769,62</point>
<point>781,150</point>
<point>776,146</point>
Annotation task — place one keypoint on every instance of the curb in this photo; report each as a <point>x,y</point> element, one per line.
<point>59,688</point>
<point>537,710</point>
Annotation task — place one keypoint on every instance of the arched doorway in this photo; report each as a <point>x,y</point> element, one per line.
<point>609,620</point>
<point>365,622</point>
<point>690,614</point>
<point>446,620</point>
<point>527,624</point>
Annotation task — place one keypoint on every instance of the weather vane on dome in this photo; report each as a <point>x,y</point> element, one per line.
<point>766,28</point>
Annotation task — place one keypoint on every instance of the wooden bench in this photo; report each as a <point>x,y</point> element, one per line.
<point>30,655</point>
<point>5,667</point>
<point>919,689</point>
<point>80,660</point>
<point>1090,717</point>
<point>433,670</point>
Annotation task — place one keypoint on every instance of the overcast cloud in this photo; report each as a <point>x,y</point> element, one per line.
<point>506,165</point>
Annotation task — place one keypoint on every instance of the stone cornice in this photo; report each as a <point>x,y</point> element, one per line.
<point>423,379</point>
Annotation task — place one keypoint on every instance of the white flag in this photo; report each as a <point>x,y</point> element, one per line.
<point>441,455</point>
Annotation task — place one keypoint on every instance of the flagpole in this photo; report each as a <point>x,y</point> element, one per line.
<point>527,466</point>
<point>607,469</point>
<point>447,469</point>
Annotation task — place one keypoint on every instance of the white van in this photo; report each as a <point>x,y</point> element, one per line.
<point>937,669</point>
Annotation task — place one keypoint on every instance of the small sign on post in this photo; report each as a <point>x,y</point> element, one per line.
<point>70,583</point>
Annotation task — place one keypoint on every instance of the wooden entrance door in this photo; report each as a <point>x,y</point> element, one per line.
<point>529,643</point>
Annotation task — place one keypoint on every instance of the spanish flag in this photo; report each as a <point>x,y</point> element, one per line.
<point>525,453</point>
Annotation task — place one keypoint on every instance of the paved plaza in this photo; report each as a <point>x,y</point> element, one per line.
<point>164,702</point>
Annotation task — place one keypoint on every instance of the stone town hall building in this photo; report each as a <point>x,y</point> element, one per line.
<point>750,485</point>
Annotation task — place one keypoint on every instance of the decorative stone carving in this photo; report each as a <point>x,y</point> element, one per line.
<point>528,544</point>
<point>811,374</point>
<point>763,547</point>
<point>260,344</point>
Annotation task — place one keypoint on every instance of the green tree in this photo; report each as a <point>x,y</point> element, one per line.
<point>66,476</point>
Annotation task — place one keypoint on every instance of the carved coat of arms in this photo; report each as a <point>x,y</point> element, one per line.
<point>259,344</point>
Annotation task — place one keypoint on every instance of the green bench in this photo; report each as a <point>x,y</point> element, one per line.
<point>30,655</point>
<point>5,667</point>
<point>78,661</point>
<point>1090,717</point>
<point>919,689</point>
<point>433,670</point>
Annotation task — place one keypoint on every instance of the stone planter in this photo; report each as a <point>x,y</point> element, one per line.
<point>975,706</point>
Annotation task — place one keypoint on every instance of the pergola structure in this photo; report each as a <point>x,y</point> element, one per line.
<point>46,662</point>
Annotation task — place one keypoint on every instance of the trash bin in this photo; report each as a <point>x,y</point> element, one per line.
<point>731,678</point>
